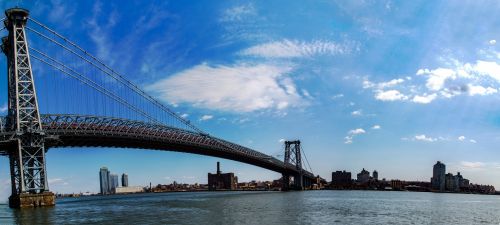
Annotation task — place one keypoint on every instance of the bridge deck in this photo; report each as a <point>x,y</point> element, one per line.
<point>92,131</point>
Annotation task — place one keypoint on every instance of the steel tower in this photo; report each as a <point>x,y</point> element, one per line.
<point>27,156</point>
<point>293,156</point>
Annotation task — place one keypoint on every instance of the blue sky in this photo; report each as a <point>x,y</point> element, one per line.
<point>386,85</point>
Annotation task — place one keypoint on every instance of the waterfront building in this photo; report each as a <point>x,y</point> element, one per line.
<point>341,179</point>
<point>462,182</point>
<point>451,183</point>
<point>375,175</point>
<point>113,180</point>
<point>222,181</point>
<point>438,176</point>
<point>124,180</point>
<point>363,176</point>
<point>126,190</point>
<point>104,180</point>
<point>396,184</point>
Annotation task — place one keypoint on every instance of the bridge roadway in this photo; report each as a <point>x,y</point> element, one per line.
<point>93,131</point>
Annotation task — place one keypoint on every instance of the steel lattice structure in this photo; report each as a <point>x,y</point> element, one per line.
<point>293,158</point>
<point>93,131</point>
<point>27,160</point>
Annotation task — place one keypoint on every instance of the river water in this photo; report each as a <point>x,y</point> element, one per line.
<point>307,207</point>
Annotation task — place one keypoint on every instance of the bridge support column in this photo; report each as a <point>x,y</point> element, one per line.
<point>28,200</point>
<point>293,158</point>
<point>298,181</point>
<point>27,156</point>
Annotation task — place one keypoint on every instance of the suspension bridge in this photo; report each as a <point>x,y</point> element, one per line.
<point>86,103</point>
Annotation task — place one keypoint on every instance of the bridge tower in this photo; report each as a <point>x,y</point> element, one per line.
<point>27,155</point>
<point>293,157</point>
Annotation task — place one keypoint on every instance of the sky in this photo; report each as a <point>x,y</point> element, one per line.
<point>392,86</point>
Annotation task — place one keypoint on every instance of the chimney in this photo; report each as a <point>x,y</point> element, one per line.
<point>218,167</point>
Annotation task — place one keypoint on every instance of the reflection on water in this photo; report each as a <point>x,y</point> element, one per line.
<point>308,207</point>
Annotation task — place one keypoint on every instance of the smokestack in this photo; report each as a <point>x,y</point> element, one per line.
<point>218,167</point>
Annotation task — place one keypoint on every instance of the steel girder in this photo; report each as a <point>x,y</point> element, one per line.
<point>103,127</point>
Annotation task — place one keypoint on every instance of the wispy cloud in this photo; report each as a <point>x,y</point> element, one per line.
<point>337,96</point>
<point>295,49</point>
<point>237,88</point>
<point>206,117</point>
<point>61,12</point>
<point>376,127</point>
<point>99,31</point>
<point>58,181</point>
<point>237,13</point>
<point>472,165</point>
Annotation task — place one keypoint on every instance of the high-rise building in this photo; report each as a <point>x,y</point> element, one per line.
<point>375,175</point>
<point>113,182</point>
<point>124,180</point>
<point>364,176</point>
<point>438,176</point>
<point>104,180</point>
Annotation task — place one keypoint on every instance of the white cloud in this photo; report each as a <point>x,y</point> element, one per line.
<point>4,108</point>
<point>487,68</point>
<point>352,133</point>
<point>472,165</point>
<point>473,141</point>
<point>239,88</point>
<point>185,115</point>
<point>206,117</point>
<point>461,138</point>
<point>436,78</point>
<point>295,49</point>
<point>424,99</point>
<point>480,90</point>
<point>357,131</point>
<point>281,140</point>
<point>357,113</point>
<point>493,42</point>
<point>390,95</point>
<point>376,127</point>
<point>423,137</point>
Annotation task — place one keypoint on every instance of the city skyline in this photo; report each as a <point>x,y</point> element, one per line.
<point>357,88</point>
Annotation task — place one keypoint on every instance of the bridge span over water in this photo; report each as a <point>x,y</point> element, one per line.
<point>127,116</point>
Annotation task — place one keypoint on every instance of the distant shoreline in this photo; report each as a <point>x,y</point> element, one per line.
<point>257,190</point>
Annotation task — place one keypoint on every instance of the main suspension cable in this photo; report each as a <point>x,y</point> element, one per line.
<point>90,83</point>
<point>120,78</point>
